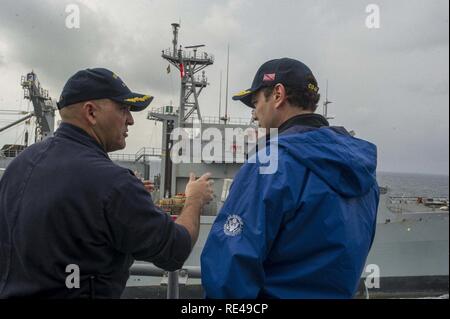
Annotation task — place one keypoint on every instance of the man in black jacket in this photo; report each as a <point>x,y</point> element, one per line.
<point>65,206</point>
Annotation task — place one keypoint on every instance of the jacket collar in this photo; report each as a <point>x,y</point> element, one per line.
<point>312,120</point>
<point>77,134</point>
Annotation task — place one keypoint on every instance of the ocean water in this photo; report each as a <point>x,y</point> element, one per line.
<point>407,184</point>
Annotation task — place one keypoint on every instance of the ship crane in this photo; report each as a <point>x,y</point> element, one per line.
<point>43,108</point>
<point>44,111</point>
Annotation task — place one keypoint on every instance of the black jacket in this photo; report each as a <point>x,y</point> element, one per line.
<point>64,202</point>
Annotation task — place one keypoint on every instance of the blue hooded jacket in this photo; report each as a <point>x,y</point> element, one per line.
<point>302,232</point>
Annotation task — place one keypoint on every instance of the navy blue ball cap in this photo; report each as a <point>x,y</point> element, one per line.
<point>100,83</point>
<point>289,72</point>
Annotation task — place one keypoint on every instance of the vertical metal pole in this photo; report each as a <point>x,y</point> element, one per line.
<point>226,90</point>
<point>175,27</point>
<point>220,94</point>
<point>164,153</point>
<point>326,99</point>
<point>182,94</point>
<point>173,291</point>
<point>147,168</point>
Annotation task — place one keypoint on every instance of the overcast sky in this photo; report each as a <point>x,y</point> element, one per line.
<point>390,85</point>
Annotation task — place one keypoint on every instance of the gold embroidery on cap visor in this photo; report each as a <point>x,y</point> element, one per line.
<point>312,87</point>
<point>243,93</point>
<point>138,99</point>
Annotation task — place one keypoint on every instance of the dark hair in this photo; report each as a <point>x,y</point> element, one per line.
<point>305,98</point>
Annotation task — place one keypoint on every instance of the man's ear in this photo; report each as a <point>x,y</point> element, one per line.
<point>89,111</point>
<point>279,93</point>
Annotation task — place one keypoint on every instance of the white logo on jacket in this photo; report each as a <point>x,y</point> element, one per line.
<point>233,226</point>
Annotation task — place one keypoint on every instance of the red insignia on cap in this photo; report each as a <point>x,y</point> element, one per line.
<point>269,77</point>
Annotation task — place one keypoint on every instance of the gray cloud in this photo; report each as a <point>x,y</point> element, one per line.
<point>390,85</point>
<point>40,40</point>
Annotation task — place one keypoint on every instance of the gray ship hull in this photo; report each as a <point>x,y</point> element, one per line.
<point>412,247</point>
<point>412,256</point>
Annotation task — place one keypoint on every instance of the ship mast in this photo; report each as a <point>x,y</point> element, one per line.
<point>325,110</point>
<point>189,63</point>
<point>325,105</point>
<point>225,117</point>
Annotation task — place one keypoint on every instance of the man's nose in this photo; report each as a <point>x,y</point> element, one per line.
<point>130,120</point>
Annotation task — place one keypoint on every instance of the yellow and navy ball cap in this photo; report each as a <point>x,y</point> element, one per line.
<point>287,71</point>
<point>100,83</point>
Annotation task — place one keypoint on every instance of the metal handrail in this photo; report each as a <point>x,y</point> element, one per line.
<point>148,151</point>
<point>200,55</point>
<point>205,119</point>
<point>123,157</point>
<point>153,271</point>
<point>173,286</point>
<point>143,152</point>
<point>219,120</point>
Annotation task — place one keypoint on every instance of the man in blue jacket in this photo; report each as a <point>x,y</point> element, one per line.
<point>304,231</point>
<point>71,221</point>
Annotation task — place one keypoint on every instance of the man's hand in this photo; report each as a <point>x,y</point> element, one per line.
<point>199,191</point>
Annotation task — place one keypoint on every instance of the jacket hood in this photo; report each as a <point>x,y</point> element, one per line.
<point>347,164</point>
